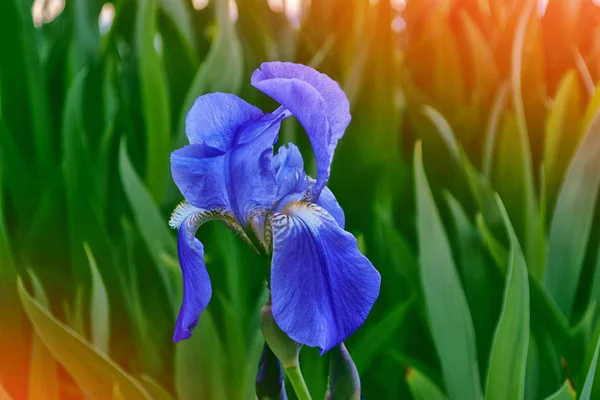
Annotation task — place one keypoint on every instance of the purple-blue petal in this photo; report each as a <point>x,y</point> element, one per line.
<point>318,103</point>
<point>288,166</point>
<point>328,201</point>
<point>322,287</point>
<point>216,119</point>
<point>231,168</point>
<point>197,290</point>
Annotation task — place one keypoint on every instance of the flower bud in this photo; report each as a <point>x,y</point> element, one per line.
<point>286,350</point>
<point>344,382</point>
<point>269,380</point>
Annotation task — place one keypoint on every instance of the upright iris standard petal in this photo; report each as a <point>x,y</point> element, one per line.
<point>322,287</point>
<point>197,290</point>
<point>316,101</point>
<point>215,119</point>
<point>228,164</point>
<point>292,182</point>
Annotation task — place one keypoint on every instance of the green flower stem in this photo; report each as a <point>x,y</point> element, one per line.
<point>297,380</point>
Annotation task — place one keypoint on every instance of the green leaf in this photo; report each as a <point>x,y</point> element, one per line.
<point>43,380</point>
<point>422,388</point>
<point>156,390</point>
<point>152,225</point>
<point>562,132</point>
<point>591,387</point>
<point>85,36</point>
<point>199,363</point>
<point>564,393</point>
<point>444,129</point>
<point>491,132</point>
<point>23,93</point>
<point>574,212</point>
<point>155,103</point>
<point>222,69</point>
<point>374,341</point>
<point>525,208</point>
<point>178,13</point>
<point>508,360</point>
<point>480,280</point>
<point>99,307</point>
<point>449,315</point>
<point>95,373</point>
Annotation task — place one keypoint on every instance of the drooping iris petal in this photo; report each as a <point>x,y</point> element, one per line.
<point>229,164</point>
<point>318,103</point>
<point>197,290</point>
<point>328,201</point>
<point>322,287</point>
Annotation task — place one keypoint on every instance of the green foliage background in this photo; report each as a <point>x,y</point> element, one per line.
<point>469,173</point>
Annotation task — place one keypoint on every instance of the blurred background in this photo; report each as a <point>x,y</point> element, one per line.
<point>469,174</point>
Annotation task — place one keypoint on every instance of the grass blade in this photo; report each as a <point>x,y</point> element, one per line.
<point>95,373</point>
<point>508,360</point>
<point>591,387</point>
<point>155,103</point>
<point>449,315</point>
<point>199,363</point>
<point>375,339</point>
<point>422,388</point>
<point>564,393</point>
<point>99,308</point>
<point>151,224</point>
<point>574,212</point>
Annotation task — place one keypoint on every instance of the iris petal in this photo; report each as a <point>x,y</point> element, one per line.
<point>288,166</point>
<point>322,287</point>
<point>215,119</point>
<point>228,164</point>
<point>197,290</point>
<point>318,103</point>
<point>328,201</point>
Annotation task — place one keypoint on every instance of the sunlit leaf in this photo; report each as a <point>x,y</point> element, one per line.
<point>573,213</point>
<point>527,208</point>
<point>95,373</point>
<point>155,389</point>
<point>4,394</point>
<point>201,356</point>
<point>43,374</point>
<point>562,133</point>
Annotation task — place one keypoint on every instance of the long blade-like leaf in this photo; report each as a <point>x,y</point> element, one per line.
<point>95,373</point>
<point>508,360</point>
<point>574,212</point>
<point>449,315</point>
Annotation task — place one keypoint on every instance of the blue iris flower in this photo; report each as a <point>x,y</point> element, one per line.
<point>322,287</point>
